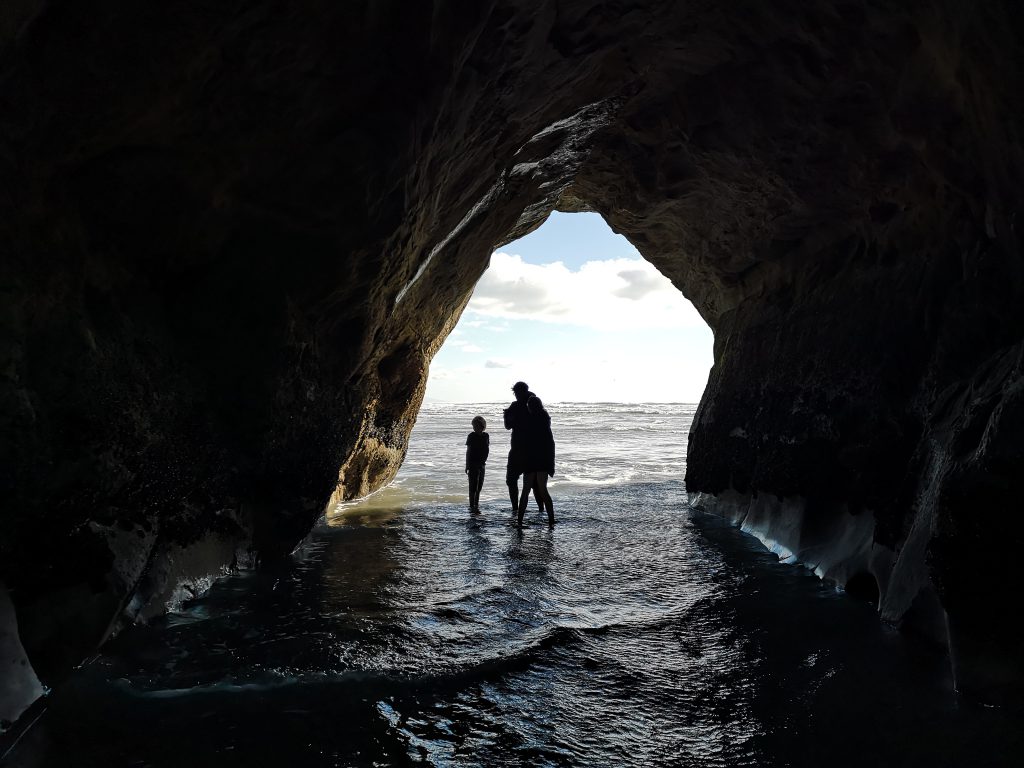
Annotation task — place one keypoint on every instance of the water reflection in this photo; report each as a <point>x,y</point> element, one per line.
<point>631,634</point>
<point>370,512</point>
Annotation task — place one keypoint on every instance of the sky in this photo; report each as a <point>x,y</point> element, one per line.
<point>576,312</point>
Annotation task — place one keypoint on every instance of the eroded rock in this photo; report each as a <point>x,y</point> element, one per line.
<point>234,236</point>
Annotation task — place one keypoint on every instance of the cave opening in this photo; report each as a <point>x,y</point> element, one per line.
<point>575,308</point>
<point>229,263</point>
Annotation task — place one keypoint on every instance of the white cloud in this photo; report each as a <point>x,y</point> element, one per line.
<point>498,364</point>
<point>617,294</point>
<point>463,345</point>
<point>639,283</point>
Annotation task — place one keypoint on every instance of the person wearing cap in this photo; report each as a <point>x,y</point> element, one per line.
<point>517,418</point>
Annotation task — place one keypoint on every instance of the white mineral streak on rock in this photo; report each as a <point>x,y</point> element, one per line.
<point>553,166</point>
<point>20,685</point>
<point>184,573</point>
<point>130,550</point>
<point>910,572</point>
<point>483,204</point>
<point>840,549</point>
<point>522,169</point>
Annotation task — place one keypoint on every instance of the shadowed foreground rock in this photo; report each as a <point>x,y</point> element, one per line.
<point>234,235</point>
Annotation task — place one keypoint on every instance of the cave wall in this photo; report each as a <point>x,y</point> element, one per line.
<point>234,235</point>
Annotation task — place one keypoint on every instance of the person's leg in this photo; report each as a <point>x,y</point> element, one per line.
<point>541,492</point>
<point>512,481</point>
<point>479,485</point>
<point>474,488</point>
<point>525,497</point>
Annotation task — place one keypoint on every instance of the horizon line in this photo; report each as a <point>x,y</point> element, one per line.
<point>559,402</point>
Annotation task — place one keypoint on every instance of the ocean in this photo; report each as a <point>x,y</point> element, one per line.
<point>597,445</point>
<point>636,632</point>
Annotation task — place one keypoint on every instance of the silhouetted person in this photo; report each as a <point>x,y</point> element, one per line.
<point>478,446</point>
<point>516,416</point>
<point>538,458</point>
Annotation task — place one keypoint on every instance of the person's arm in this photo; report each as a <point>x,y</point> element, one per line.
<point>487,447</point>
<point>509,417</point>
<point>469,448</point>
<point>551,455</point>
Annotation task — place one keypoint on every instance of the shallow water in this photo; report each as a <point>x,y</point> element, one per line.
<point>636,632</point>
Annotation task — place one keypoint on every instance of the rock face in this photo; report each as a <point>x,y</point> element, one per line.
<point>234,235</point>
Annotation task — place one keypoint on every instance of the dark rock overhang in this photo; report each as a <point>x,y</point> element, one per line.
<point>235,234</point>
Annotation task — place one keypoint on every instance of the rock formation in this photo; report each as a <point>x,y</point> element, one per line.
<point>234,234</point>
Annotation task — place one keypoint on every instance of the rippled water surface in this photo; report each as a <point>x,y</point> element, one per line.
<point>634,633</point>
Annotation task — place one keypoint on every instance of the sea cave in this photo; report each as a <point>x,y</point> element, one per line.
<point>234,235</point>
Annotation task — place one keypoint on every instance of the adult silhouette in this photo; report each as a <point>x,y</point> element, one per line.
<point>517,418</point>
<point>538,459</point>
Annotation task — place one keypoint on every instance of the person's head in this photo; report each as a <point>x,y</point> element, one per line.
<point>521,390</point>
<point>479,423</point>
<point>534,404</point>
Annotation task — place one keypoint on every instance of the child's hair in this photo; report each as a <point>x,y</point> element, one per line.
<point>535,404</point>
<point>481,421</point>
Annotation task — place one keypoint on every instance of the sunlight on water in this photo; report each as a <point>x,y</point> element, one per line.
<point>597,444</point>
